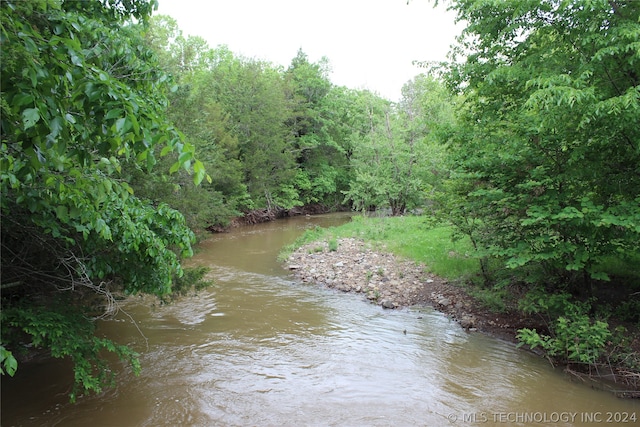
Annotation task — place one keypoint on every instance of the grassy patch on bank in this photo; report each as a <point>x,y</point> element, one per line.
<point>414,237</point>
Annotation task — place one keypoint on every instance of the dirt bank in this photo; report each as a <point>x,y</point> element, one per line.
<point>392,282</point>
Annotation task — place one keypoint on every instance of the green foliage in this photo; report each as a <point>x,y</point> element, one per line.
<point>333,245</point>
<point>574,337</point>
<point>81,96</point>
<point>8,363</point>
<point>252,93</point>
<point>496,298</point>
<point>398,162</point>
<point>309,236</point>
<point>204,124</point>
<point>545,152</point>
<point>628,311</point>
<point>278,139</point>
<point>193,279</point>
<point>319,144</point>
<point>63,329</point>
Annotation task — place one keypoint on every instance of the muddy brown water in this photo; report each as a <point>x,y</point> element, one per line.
<point>259,349</point>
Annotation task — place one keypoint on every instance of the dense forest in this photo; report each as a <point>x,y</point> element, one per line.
<point>122,140</point>
<point>278,141</point>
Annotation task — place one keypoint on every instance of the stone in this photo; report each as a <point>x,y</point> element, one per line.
<point>381,277</point>
<point>388,304</point>
<point>444,301</point>
<point>467,322</point>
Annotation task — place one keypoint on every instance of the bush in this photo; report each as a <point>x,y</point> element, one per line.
<point>573,336</point>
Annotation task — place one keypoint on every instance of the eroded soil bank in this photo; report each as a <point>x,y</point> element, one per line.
<point>392,282</point>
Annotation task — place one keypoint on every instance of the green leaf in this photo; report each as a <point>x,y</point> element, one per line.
<point>120,125</point>
<point>185,157</point>
<point>33,76</point>
<point>22,99</point>
<point>30,117</point>
<point>166,150</point>
<point>56,127</point>
<point>199,171</point>
<point>8,363</point>
<point>62,213</point>
<point>174,167</point>
<point>134,124</point>
<point>112,114</point>
<point>600,275</point>
<point>151,160</point>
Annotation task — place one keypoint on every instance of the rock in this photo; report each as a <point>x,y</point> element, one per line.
<point>444,301</point>
<point>467,322</point>
<point>382,277</point>
<point>388,304</point>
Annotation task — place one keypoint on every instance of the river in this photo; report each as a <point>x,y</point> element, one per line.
<point>259,349</point>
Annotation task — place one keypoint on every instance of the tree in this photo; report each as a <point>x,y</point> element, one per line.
<point>427,113</point>
<point>317,111</point>
<point>398,162</point>
<point>205,125</point>
<point>252,93</point>
<point>179,56</point>
<point>366,189</point>
<point>80,95</point>
<point>547,153</point>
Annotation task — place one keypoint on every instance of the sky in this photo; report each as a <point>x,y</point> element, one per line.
<point>370,44</point>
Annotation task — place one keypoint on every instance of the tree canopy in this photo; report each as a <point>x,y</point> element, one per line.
<point>547,157</point>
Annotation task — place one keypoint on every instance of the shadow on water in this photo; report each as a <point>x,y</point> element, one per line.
<point>258,348</point>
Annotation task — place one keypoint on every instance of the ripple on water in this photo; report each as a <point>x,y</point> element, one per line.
<point>257,349</point>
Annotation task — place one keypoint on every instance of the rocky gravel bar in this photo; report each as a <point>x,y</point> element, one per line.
<point>394,283</point>
<point>391,282</point>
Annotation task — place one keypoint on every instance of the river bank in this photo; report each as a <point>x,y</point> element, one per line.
<point>352,265</point>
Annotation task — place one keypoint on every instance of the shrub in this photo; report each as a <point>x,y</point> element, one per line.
<point>573,336</point>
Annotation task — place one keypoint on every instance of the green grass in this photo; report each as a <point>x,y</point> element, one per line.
<point>412,237</point>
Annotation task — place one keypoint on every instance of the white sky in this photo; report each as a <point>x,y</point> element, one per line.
<point>370,44</point>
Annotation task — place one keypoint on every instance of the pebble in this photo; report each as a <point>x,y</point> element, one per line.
<point>382,278</point>
<point>386,279</point>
